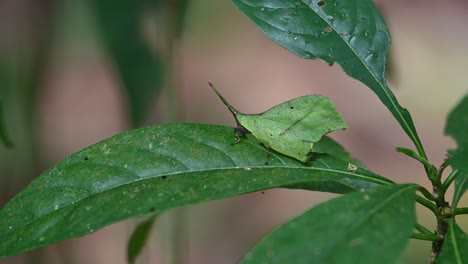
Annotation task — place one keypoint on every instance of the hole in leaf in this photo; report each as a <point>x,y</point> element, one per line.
<point>291,107</point>
<point>321,3</point>
<point>86,158</point>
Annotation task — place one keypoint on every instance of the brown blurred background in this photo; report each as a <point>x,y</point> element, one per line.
<point>59,70</point>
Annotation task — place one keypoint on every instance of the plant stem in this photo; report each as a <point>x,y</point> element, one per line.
<point>427,204</point>
<point>423,229</point>
<point>426,193</point>
<point>428,237</point>
<point>459,211</point>
<point>444,211</point>
<point>448,181</point>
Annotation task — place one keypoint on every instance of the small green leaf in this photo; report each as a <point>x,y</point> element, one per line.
<point>138,239</point>
<point>139,69</point>
<point>457,127</point>
<point>410,153</point>
<point>293,127</point>
<point>4,137</point>
<point>151,170</point>
<point>454,250</point>
<point>361,227</point>
<point>351,33</point>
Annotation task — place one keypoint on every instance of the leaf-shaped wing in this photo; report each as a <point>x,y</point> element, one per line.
<point>292,127</point>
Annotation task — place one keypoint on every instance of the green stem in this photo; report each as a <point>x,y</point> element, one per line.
<point>442,169</point>
<point>459,211</point>
<point>427,237</point>
<point>447,182</point>
<point>423,229</point>
<point>426,193</point>
<point>427,204</point>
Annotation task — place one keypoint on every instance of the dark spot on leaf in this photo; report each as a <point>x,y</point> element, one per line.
<point>163,177</point>
<point>291,107</point>
<point>152,209</point>
<point>328,29</point>
<point>321,3</point>
<point>86,158</point>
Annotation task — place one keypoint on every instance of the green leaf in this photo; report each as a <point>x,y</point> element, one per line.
<point>4,137</point>
<point>410,153</point>
<point>138,239</point>
<point>454,250</point>
<point>330,146</point>
<point>361,227</point>
<point>139,69</point>
<point>351,33</point>
<point>461,185</point>
<point>293,127</point>
<point>457,127</point>
<point>152,170</point>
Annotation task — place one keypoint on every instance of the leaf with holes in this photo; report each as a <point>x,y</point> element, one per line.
<point>291,128</point>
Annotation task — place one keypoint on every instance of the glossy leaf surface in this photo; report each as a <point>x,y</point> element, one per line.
<point>362,227</point>
<point>151,170</point>
<point>351,33</point>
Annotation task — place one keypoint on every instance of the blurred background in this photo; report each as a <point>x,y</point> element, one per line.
<point>75,72</point>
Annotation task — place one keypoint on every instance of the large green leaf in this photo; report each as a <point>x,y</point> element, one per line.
<point>151,170</point>
<point>361,227</point>
<point>139,69</point>
<point>351,33</point>
<point>457,127</point>
<point>454,250</point>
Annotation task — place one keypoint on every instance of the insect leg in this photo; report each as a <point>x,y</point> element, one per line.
<point>268,152</point>
<point>239,131</point>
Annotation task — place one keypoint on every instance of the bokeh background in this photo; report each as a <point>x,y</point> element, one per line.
<point>63,90</point>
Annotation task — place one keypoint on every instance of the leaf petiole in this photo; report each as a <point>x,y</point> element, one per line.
<point>460,211</point>
<point>431,169</point>
<point>423,229</point>
<point>426,237</point>
<point>426,193</point>
<point>427,204</point>
<point>452,176</point>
